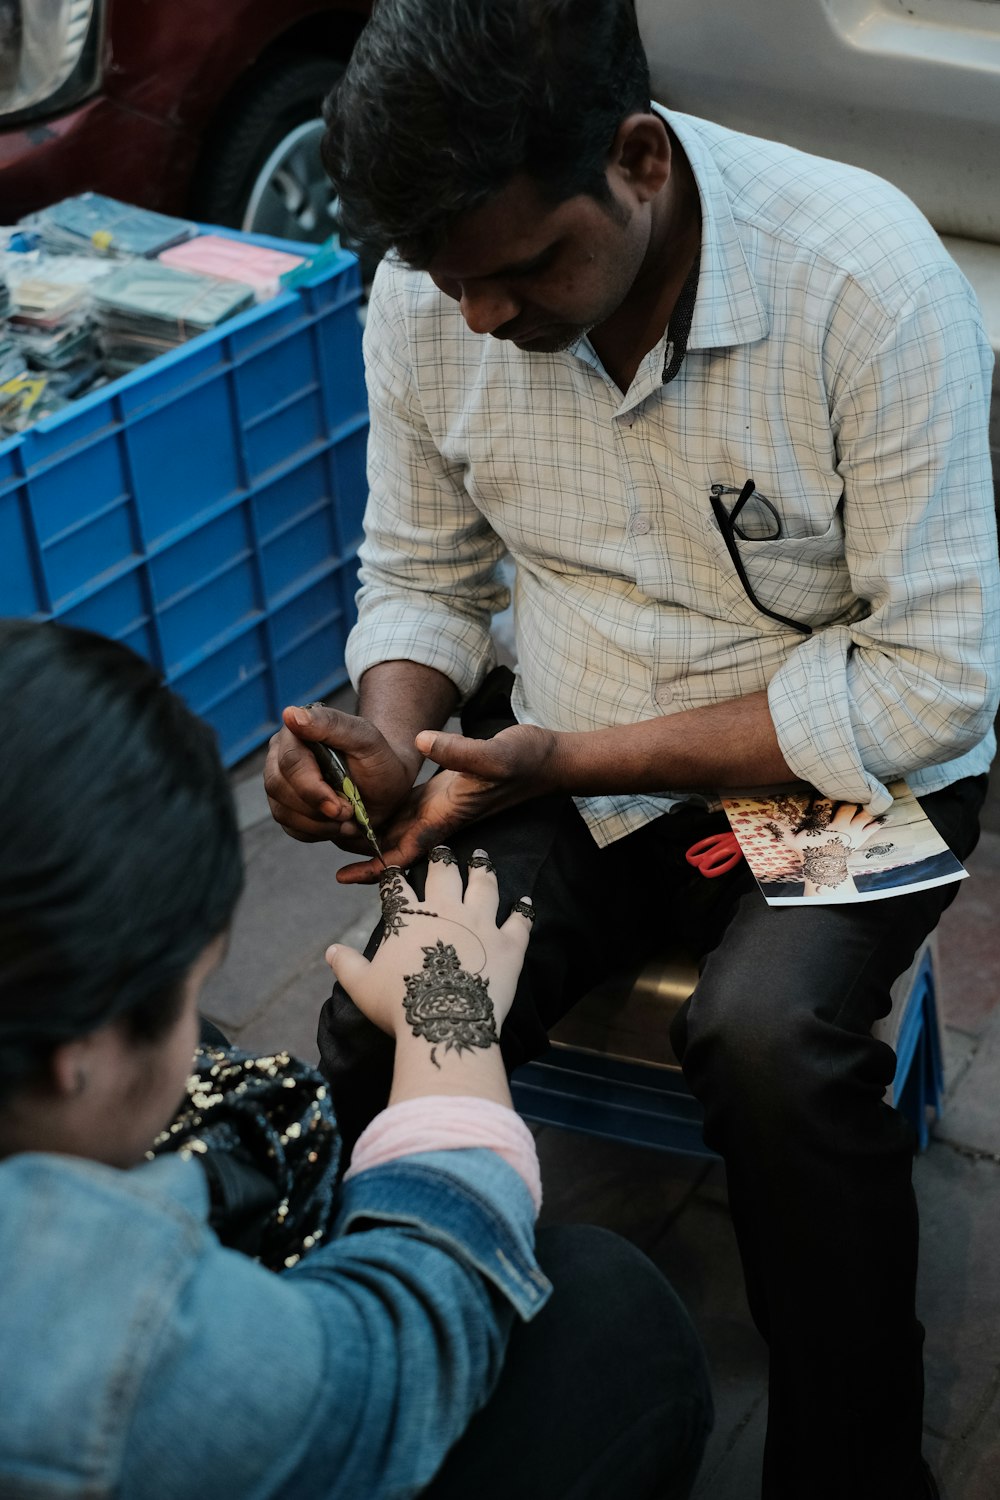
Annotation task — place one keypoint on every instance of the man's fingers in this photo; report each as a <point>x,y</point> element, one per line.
<point>285,806</point>
<point>328,726</point>
<point>309,829</point>
<point>304,723</point>
<point>456,753</point>
<point>302,826</point>
<point>293,774</point>
<point>292,780</point>
<point>402,849</point>
<point>426,741</point>
<point>365,872</point>
<point>355,740</point>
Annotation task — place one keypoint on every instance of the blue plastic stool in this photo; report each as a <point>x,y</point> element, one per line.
<point>610,1071</point>
<point>913,1030</point>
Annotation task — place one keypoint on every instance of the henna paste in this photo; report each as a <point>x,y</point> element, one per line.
<point>525,908</point>
<point>395,909</point>
<point>448,1006</point>
<point>826,864</point>
<point>481,861</point>
<point>394,902</point>
<point>442,855</point>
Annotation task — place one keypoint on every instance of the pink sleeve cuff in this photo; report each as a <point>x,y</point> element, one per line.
<point>446,1122</point>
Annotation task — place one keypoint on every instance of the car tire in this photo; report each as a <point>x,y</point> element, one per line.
<point>260,170</point>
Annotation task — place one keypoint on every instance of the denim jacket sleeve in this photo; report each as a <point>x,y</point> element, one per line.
<point>352,1373</point>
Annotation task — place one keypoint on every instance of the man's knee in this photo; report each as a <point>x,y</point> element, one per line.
<point>745,1037</point>
<point>778,1050</point>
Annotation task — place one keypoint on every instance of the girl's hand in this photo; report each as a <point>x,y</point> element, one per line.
<point>444,970</point>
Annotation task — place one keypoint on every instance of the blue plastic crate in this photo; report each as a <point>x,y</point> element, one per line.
<point>206,509</point>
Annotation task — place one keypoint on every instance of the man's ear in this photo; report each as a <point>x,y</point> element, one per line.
<point>641,155</point>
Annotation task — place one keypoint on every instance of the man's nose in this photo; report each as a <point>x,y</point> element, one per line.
<point>486,306</point>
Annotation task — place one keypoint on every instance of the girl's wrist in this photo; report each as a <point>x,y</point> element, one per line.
<point>423,1068</point>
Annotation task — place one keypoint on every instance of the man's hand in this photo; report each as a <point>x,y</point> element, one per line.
<point>302,802</point>
<point>480,777</point>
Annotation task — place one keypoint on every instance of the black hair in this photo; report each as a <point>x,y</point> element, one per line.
<point>444,101</point>
<point>119,848</point>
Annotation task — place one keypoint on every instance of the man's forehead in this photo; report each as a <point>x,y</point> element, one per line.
<point>506,234</point>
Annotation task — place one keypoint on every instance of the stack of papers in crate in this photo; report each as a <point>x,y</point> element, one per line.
<point>234,260</point>
<point>11,362</point>
<point>50,311</point>
<point>144,308</point>
<point>92,222</point>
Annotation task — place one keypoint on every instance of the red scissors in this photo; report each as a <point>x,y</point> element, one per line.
<point>715,855</point>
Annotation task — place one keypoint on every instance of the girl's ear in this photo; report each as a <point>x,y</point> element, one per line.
<point>71,1065</point>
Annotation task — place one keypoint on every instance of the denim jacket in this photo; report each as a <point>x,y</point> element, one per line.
<point>142,1360</point>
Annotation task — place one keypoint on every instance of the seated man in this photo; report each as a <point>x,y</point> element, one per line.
<point>725,405</point>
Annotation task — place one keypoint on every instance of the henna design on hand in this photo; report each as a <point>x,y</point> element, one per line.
<point>480,860</point>
<point>395,909</point>
<point>525,908</point>
<point>394,904</point>
<point>442,855</point>
<point>448,1006</point>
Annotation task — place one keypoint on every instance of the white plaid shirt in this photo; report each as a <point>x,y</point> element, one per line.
<point>837,357</point>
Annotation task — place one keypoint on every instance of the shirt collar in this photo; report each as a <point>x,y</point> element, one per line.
<point>729,309</point>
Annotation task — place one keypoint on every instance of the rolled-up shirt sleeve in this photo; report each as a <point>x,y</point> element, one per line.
<point>915,681</point>
<point>429,580</point>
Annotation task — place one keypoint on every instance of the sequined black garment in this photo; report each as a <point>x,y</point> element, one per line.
<point>265,1132</point>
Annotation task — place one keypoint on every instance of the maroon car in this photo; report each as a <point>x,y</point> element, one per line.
<point>192,108</point>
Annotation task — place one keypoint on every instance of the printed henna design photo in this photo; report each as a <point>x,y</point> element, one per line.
<point>826,864</point>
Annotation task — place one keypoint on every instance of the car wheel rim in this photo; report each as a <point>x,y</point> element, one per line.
<point>292,198</point>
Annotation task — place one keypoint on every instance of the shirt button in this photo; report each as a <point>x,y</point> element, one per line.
<point>640,525</point>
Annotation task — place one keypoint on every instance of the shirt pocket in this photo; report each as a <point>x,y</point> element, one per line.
<point>804,578</point>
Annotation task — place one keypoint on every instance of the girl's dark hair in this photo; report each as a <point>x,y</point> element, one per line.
<point>444,101</point>
<point>119,850</point>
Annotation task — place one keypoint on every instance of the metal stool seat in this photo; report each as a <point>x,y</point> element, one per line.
<point>610,1069</point>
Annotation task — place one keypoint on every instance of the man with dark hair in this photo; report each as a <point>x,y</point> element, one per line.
<point>487,111</point>
<point>730,425</point>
